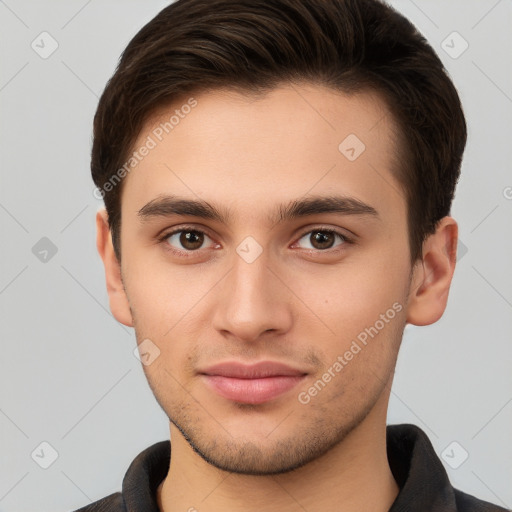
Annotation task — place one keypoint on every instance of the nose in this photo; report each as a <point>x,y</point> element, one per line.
<point>253,301</point>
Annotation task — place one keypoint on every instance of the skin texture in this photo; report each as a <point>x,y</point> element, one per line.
<point>297,303</point>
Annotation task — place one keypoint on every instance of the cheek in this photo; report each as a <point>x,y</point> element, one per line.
<point>163,295</point>
<point>351,297</point>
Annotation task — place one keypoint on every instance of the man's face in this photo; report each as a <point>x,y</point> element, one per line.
<point>254,288</point>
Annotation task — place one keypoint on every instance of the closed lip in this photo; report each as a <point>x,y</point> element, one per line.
<point>260,370</point>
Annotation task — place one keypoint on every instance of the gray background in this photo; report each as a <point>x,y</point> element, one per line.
<point>68,374</point>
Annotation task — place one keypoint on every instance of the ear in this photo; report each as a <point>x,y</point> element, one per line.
<point>432,275</point>
<point>119,304</point>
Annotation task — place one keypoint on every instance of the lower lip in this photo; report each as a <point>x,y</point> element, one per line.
<point>252,391</point>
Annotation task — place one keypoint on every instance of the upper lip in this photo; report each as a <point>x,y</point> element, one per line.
<point>258,370</point>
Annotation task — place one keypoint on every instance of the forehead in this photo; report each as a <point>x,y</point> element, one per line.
<point>248,153</point>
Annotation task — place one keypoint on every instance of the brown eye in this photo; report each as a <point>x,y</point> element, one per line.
<point>322,239</point>
<point>186,239</point>
<point>191,240</point>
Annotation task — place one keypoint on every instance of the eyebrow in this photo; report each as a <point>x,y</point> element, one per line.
<point>168,205</point>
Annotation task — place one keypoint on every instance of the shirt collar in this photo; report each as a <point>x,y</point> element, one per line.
<point>419,473</point>
<point>143,477</point>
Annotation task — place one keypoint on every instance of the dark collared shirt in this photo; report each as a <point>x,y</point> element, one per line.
<point>423,481</point>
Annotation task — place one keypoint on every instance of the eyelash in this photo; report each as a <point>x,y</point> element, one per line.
<point>187,254</point>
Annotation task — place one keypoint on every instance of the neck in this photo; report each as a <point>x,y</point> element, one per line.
<point>353,476</point>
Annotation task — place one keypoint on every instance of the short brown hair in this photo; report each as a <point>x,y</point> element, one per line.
<point>192,46</point>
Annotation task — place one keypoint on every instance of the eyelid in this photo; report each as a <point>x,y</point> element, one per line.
<point>331,229</point>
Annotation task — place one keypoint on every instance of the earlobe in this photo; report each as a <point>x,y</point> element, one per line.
<point>432,276</point>
<point>118,300</point>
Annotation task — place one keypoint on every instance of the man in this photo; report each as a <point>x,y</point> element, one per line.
<point>277,177</point>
